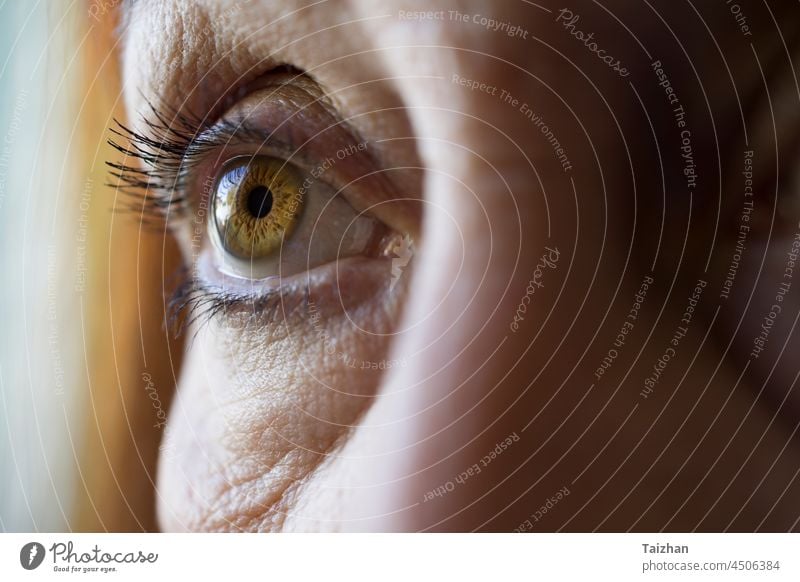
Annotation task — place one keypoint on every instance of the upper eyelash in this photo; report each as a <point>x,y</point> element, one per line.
<point>156,180</point>
<point>158,184</point>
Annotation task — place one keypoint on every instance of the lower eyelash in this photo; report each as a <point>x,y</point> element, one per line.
<point>195,303</point>
<point>154,182</point>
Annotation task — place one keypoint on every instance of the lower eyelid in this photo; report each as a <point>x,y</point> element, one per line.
<point>333,288</point>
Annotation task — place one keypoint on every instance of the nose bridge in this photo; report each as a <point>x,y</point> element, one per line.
<point>477,158</point>
<point>468,77</point>
<point>484,231</point>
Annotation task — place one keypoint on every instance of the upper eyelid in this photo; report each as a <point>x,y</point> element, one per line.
<point>174,145</point>
<point>156,169</point>
<point>172,138</point>
<point>286,114</point>
<point>228,134</point>
<point>229,140</point>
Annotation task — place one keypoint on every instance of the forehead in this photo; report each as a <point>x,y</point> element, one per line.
<point>189,51</point>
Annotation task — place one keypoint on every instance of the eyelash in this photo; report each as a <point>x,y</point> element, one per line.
<point>157,189</point>
<point>169,153</point>
<point>194,304</point>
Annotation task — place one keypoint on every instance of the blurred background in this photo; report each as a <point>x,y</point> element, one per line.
<point>63,396</point>
<point>38,91</point>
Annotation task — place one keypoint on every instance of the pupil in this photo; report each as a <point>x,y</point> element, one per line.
<point>259,201</point>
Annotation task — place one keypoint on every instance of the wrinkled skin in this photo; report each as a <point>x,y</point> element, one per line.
<point>270,431</point>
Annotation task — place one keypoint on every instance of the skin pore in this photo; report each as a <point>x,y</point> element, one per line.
<point>347,409</point>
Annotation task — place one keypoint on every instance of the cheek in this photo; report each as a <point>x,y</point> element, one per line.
<point>259,408</point>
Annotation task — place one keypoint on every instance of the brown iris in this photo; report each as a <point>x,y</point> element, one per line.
<point>256,205</point>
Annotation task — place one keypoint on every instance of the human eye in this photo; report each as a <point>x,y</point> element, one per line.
<point>273,202</point>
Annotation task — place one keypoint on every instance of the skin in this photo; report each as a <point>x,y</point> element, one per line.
<point>269,431</point>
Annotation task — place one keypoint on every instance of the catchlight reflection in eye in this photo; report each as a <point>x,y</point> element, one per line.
<point>257,203</point>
